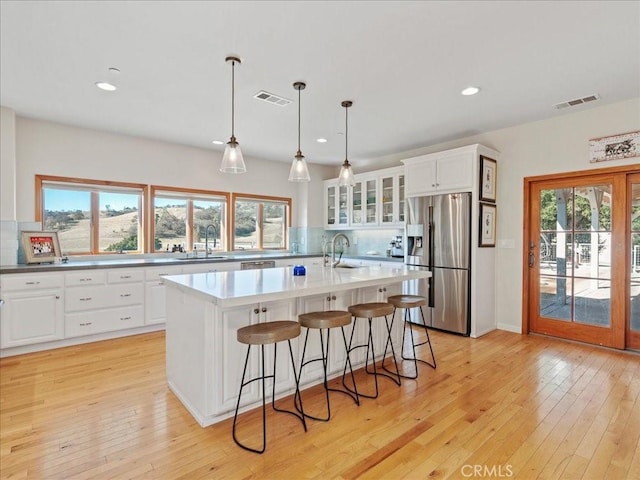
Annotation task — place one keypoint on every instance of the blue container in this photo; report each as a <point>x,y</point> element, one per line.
<point>299,270</point>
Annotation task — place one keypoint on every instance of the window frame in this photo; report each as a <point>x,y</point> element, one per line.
<point>190,195</point>
<point>260,199</point>
<point>85,184</point>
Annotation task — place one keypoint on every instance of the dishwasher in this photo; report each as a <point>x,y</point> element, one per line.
<point>257,264</point>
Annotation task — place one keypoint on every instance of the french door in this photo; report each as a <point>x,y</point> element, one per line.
<point>583,257</point>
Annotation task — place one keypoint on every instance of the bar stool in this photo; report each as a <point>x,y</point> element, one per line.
<point>371,311</point>
<point>324,322</point>
<point>408,302</point>
<point>263,334</point>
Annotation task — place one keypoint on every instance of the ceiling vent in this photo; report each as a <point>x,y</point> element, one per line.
<point>273,99</point>
<point>577,101</point>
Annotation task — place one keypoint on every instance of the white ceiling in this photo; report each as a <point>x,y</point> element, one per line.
<point>402,63</point>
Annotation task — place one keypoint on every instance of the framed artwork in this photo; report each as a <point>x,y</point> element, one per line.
<point>488,171</point>
<point>487,225</point>
<point>40,247</point>
<point>615,147</point>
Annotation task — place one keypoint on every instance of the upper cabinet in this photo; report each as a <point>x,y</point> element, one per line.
<point>377,199</point>
<point>442,172</point>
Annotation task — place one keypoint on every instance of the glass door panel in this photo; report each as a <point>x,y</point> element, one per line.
<point>356,204</point>
<point>343,205</point>
<point>372,201</point>
<point>571,261</point>
<point>387,199</point>
<point>331,205</point>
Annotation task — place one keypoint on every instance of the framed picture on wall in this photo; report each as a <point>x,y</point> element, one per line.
<point>40,247</point>
<point>488,172</point>
<point>487,225</point>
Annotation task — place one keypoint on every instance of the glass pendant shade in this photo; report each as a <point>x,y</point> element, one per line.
<point>299,171</point>
<point>232,161</point>
<point>346,178</point>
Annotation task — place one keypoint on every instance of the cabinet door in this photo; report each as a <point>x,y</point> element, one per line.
<point>313,371</point>
<point>372,201</point>
<point>343,206</point>
<point>330,198</point>
<point>420,177</point>
<point>455,173</point>
<point>31,317</point>
<point>357,204</point>
<point>155,303</point>
<point>337,353</point>
<point>388,200</point>
<point>228,374</point>
<point>400,201</point>
<point>274,311</point>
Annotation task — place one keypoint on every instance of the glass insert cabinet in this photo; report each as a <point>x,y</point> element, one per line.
<point>376,199</point>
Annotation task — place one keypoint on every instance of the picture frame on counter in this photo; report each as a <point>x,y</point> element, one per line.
<point>488,215</point>
<point>488,173</point>
<point>40,247</point>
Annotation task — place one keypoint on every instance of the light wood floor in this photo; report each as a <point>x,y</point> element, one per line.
<point>503,406</point>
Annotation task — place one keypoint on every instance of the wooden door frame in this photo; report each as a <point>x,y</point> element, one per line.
<point>526,229</point>
<point>632,339</point>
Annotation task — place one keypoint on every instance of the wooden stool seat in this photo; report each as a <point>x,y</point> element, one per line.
<point>328,319</point>
<point>371,310</point>
<point>407,301</point>
<point>269,332</point>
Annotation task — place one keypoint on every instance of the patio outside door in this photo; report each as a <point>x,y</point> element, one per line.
<point>633,325</point>
<point>577,258</point>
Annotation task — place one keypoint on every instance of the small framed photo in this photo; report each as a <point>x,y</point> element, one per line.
<point>614,147</point>
<point>487,225</point>
<point>488,172</point>
<point>40,247</point>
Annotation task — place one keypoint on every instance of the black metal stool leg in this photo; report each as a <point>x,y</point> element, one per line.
<point>415,359</point>
<point>394,376</point>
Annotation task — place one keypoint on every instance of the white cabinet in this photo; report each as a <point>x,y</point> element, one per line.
<point>380,294</point>
<point>32,309</point>
<point>443,172</point>
<point>321,303</point>
<point>376,199</point>
<point>229,374</point>
<point>155,293</point>
<point>98,301</point>
<point>336,203</point>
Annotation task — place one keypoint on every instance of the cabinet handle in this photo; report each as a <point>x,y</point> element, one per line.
<point>85,299</point>
<point>32,283</point>
<point>125,294</point>
<point>57,297</point>
<point>86,279</point>
<point>86,324</point>
<point>125,276</point>
<point>433,184</point>
<point>380,290</point>
<point>384,289</point>
<point>328,298</point>
<point>2,301</point>
<point>333,297</point>
<point>264,309</point>
<point>256,311</point>
<point>125,318</point>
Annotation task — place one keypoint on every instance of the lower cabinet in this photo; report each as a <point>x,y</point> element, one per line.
<point>380,294</point>
<point>32,309</point>
<point>31,317</point>
<point>229,375</point>
<point>155,293</point>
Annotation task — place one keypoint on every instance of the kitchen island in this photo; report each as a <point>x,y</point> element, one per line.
<point>204,311</point>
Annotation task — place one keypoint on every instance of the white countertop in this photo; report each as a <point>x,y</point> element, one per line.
<point>244,287</point>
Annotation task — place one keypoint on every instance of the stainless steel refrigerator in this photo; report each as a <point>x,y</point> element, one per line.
<point>438,232</point>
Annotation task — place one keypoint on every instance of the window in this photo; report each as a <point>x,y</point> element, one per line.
<point>187,219</point>
<point>260,223</point>
<point>91,216</point>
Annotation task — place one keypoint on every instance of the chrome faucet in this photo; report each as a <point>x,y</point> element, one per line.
<point>333,247</point>
<point>206,239</point>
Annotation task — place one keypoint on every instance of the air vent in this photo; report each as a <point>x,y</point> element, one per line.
<point>271,98</point>
<point>577,101</point>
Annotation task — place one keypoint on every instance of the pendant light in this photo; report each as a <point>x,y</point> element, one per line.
<point>232,161</point>
<point>299,171</point>
<point>346,178</point>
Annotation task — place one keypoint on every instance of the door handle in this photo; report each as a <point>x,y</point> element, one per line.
<point>532,259</point>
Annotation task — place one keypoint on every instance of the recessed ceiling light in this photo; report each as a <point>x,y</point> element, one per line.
<point>470,91</point>
<point>321,140</point>
<point>106,86</point>
<point>217,142</point>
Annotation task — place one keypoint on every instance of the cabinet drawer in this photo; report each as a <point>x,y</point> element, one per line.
<point>30,282</point>
<point>125,276</point>
<point>79,324</point>
<point>86,277</point>
<point>127,294</point>
<point>88,298</point>
<point>157,272</point>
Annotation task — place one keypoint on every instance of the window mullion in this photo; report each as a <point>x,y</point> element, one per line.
<point>95,222</point>
<point>189,227</point>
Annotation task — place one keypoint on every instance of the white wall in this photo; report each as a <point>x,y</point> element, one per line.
<point>560,144</point>
<point>49,148</point>
<point>7,164</point>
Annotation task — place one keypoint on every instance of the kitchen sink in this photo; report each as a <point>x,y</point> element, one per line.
<point>210,257</point>
<point>346,265</point>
